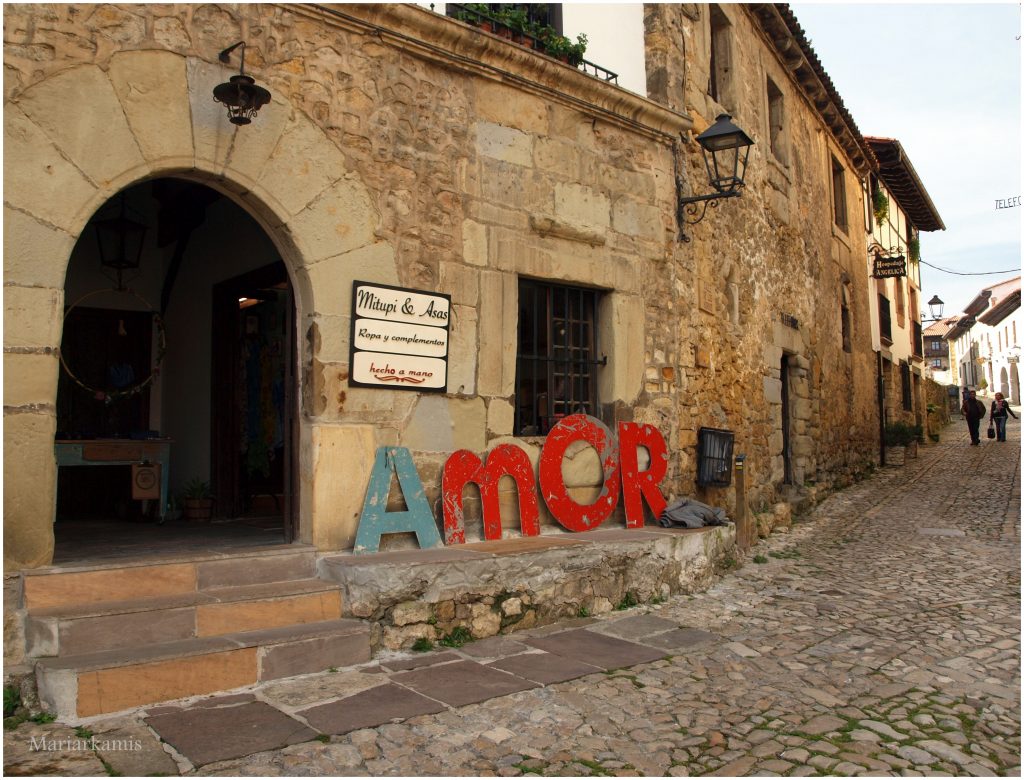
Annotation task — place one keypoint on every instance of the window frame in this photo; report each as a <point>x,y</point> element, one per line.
<point>540,369</point>
<point>840,212</point>
<point>777,140</point>
<point>720,56</point>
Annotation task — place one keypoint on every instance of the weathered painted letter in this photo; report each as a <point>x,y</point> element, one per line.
<point>463,466</point>
<point>638,485</point>
<point>573,516</point>
<point>376,520</point>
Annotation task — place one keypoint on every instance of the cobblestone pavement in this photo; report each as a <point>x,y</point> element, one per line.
<point>881,636</point>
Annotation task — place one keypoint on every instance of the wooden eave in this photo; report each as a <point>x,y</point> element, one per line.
<point>1001,310</point>
<point>795,52</point>
<point>896,170</point>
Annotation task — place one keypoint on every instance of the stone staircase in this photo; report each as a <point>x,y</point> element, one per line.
<point>110,638</point>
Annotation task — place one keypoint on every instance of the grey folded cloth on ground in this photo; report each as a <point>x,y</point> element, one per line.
<point>690,513</point>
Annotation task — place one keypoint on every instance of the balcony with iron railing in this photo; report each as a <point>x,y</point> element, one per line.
<point>519,24</point>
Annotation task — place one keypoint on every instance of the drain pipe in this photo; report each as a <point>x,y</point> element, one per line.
<point>881,410</point>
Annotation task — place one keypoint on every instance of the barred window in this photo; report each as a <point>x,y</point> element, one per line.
<point>556,360</point>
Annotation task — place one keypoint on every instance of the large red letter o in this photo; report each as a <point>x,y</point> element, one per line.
<point>573,516</point>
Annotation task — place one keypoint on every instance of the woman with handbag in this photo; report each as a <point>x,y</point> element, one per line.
<point>997,416</point>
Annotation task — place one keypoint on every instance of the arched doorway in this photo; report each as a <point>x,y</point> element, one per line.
<point>186,362</point>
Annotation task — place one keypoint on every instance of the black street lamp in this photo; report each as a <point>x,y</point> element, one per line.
<point>935,307</point>
<point>241,94</point>
<point>726,149</point>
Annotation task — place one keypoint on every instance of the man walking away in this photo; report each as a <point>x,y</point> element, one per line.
<point>973,411</point>
<point>1000,408</point>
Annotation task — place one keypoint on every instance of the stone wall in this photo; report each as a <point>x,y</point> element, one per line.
<point>405,148</point>
<point>764,275</point>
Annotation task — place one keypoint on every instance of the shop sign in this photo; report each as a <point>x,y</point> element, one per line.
<point>621,474</point>
<point>399,338</point>
<point>890,267</point>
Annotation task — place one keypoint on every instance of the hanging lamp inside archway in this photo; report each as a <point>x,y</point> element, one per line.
<point>243,97</point>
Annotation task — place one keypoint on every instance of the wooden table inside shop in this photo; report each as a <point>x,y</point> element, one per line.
<point>118,452</point>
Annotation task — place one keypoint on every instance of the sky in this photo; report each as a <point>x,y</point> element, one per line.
<point>945,80</point>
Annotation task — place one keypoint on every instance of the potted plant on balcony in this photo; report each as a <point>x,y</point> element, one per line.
<point>562,48</point>
<point>197,500</point>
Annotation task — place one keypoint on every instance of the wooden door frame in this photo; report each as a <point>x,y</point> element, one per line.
<point>225,458</point>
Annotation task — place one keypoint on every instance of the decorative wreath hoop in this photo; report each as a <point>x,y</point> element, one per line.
<point>111,396</point>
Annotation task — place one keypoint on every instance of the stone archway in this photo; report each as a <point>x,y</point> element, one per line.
<point>75,139</point>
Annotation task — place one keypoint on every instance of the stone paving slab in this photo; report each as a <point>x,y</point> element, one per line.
<point>494,647</point>
<point>311,689</point>
<point>370,708</point>
<point>461,683</point>
<point>427,659</point>
<point>593,648</point>
<point>637,626</point>
<point>204,735</point>
<point>681,639</point>
<point>544,668</point>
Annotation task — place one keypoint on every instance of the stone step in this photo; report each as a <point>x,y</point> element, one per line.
<point>74,630</point>
<point>85,685</point>
<point>56,587</point>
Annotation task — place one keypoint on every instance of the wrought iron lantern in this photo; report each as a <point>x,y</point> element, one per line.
<point>726,149</point>
<point>935,307</point>
<point>120,239</point>
<point>241,94</point>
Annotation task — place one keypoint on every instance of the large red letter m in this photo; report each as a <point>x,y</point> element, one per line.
<point>464,467</point>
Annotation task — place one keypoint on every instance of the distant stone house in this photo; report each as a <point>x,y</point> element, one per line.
<point>409,150</point>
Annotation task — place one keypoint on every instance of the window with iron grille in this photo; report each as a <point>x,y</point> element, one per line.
<point>884,318</point>
<point>557,356</point>
<point>908,397</point>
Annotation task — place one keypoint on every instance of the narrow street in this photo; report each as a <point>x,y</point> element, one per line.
<point>881,636</point>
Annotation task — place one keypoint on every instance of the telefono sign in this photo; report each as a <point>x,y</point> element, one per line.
<point>619,463</point>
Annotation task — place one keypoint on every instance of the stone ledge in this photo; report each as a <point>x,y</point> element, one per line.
<point>428,594</point>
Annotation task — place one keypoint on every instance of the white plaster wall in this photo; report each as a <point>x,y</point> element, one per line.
<point>615,34</point>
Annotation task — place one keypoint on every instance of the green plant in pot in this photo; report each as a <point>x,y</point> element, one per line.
<point>197,500</point>
<point>562,48</point>
<point>880,205</point>
<point>900,434</point>
<point>914,249</point>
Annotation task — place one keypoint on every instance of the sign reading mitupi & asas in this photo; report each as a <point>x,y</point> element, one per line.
<point>399,338</point>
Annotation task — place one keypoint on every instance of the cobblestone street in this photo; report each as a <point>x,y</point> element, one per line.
<point>881,636</point>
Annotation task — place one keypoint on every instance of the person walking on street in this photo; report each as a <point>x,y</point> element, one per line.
<point>973,411</point>
<point>997,415</point>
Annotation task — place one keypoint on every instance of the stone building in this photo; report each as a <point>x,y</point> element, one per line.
<point>387,156</point>
<point>537,204</point>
